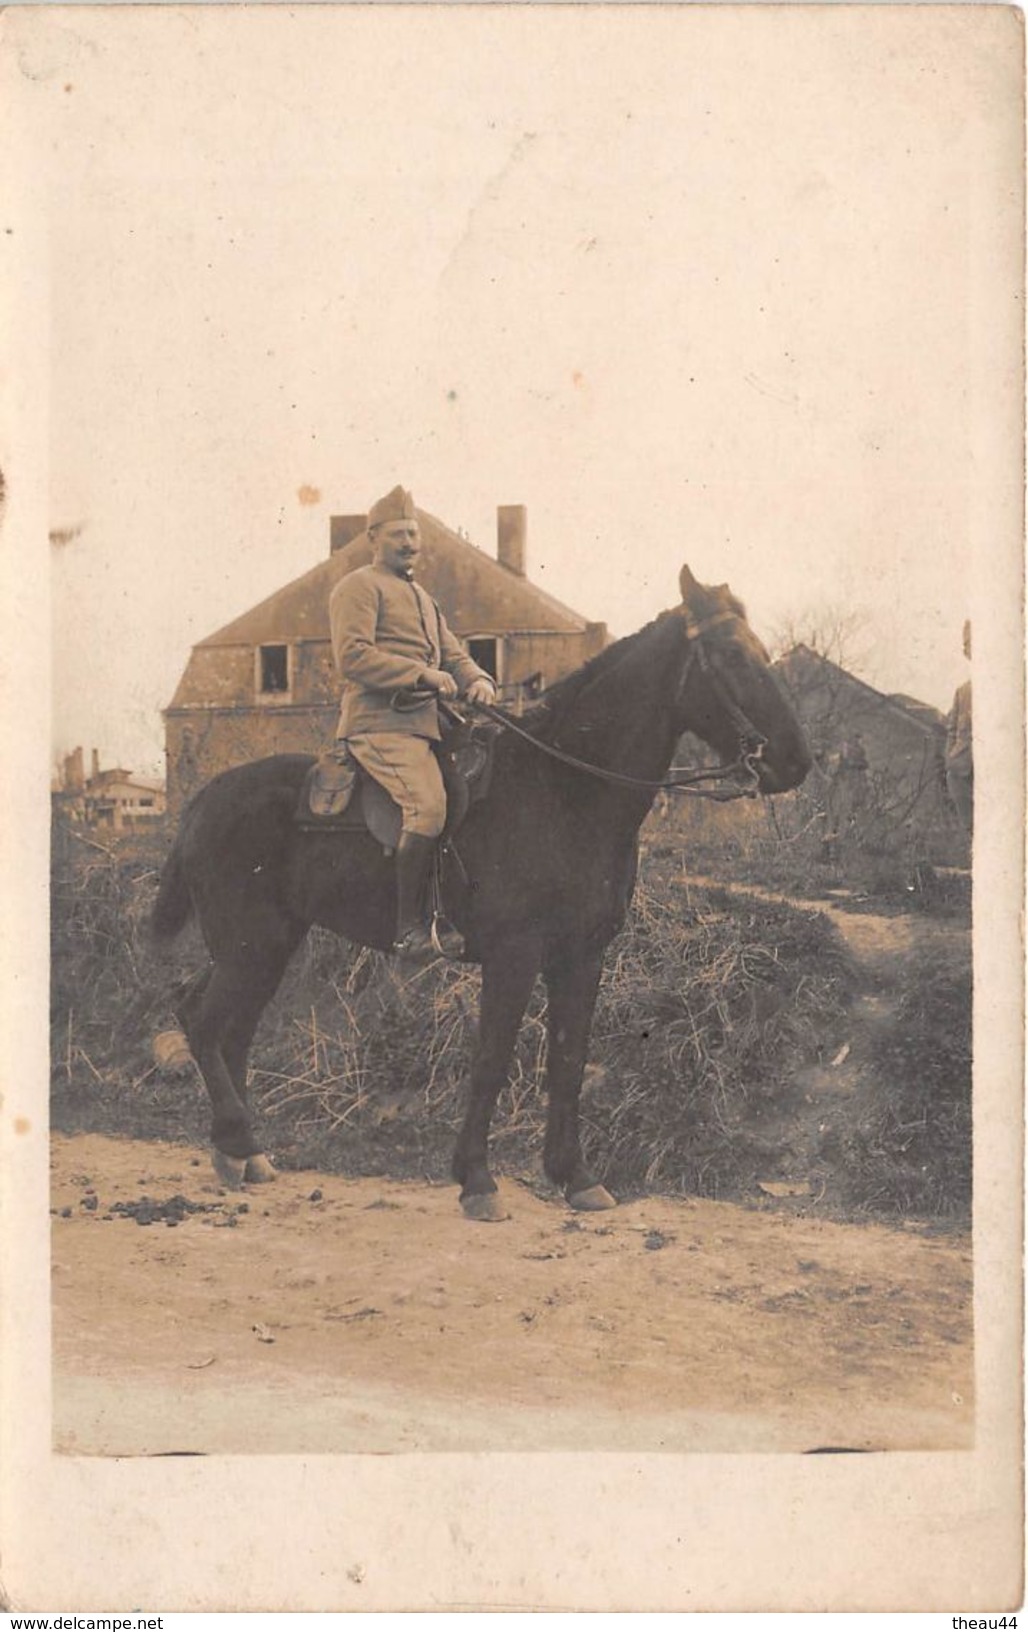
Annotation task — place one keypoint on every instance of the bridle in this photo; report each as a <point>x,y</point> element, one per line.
<point>751,743</point>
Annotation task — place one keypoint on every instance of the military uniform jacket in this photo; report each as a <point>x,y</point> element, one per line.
<point>959,735</point>
<point>386,631</point>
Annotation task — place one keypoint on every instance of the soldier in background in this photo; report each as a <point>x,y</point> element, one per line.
<point>846,796</point>
<point>959,755</point>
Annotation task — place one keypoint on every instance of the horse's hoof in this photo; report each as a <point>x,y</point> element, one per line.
<point>487,1209</point>
<point>594,1200</point>
<point>260,1170</point>
<point>231,1170</point>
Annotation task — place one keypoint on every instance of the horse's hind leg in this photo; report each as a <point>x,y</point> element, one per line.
<point>187,1000</point>
<point>508,976</point>
<point>572,981</point>
<point>221,1027</point>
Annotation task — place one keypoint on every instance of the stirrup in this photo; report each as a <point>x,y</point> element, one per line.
<point>438,940</point>
<point>415,945</point>
<point>446,938</point>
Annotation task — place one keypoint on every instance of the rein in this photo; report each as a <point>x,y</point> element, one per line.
<point>683,782</point>
<point>751,743</point>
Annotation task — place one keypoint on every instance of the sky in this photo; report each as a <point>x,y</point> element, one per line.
<point>716,285</point>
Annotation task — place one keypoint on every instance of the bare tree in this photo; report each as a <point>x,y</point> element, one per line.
<point>842,634</point>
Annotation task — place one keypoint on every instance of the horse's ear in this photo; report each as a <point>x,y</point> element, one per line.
<point>686,583</point>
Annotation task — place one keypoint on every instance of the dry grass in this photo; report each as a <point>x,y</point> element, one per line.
<point>709,1006</point>
<point>706,1013</point>
<point>910,1152</point>
<point>703,1014</point>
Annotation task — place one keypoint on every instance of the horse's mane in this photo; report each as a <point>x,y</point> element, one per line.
<point>543,719</point>
<point>545,716</point>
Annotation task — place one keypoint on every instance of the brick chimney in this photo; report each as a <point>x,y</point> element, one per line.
<point>94,774</point>
<point>74,778</point>
<point>511,537</point>
<point>344,529</point>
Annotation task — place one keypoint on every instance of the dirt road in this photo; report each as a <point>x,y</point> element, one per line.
<point>322,1314</point>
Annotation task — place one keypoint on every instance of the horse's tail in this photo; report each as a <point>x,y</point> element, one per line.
<point>174,905</point>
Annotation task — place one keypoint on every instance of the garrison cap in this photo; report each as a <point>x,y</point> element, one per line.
<point>396,506</point>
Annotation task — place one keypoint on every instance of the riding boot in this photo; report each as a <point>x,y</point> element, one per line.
<point>414,855</point>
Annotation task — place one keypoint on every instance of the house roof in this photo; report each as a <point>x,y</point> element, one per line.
<point>113,773</point>
<point>925,712</point>
<point>109,780</point>
<point>477,593</point>
<point>922,716</point>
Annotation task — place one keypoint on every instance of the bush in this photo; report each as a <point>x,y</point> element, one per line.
<point>704,1016</point>
<point>787,844</point>
<point>109,990</point>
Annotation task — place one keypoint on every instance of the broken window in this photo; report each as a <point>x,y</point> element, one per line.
<point>482,650</point>
<point>273,669</point>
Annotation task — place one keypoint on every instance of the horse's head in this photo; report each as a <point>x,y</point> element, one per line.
<point>729,695</point>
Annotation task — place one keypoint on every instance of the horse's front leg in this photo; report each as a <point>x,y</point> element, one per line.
<point>572,980</point>
<point>235,1052</point>
<point>508,976</point>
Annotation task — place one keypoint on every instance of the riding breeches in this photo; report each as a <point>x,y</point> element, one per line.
<point>409,771</point>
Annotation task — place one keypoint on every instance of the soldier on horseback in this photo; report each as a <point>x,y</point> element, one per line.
<point>389,637</point>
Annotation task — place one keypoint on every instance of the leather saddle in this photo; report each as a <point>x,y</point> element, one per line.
<point>337,795</point>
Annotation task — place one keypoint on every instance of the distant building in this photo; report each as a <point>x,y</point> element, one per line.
<point>881,753</point>
<point>876,784</point>
<point>898,735</point>
<point>266,683</point>
<point>114,799</point>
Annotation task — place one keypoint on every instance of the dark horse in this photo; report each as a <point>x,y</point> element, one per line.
<point>538,879</point>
